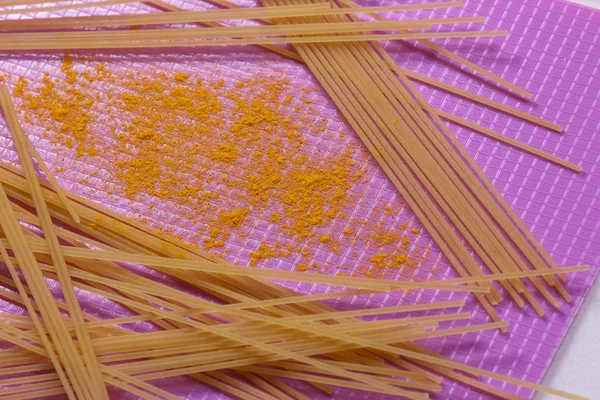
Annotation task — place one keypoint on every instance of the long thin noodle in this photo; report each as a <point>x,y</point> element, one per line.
<point>504,214</point>
<point>509,141</point>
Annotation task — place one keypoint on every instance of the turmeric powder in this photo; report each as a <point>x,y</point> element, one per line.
<point>206,145</point>
<point>233,219</point>
<point>226,153</point>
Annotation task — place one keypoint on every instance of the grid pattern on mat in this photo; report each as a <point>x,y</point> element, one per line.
<point>554,52</point>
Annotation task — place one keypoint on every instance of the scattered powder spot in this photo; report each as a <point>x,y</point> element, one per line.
<point>225,153</point>
<point>21,86</point>
<point>181,77</point>
<point>275,217</point>
<point>67,69</point>
<point>302,267</point>
<point>389,210</point>
<point>68,109</point>
<point>214,241</point>
<point>325,238</point>
<point>263,251</point>
<point>383,263</point>
<point>233,219</point>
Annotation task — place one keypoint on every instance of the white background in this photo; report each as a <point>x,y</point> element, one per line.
<point>591,3</point>
<point>576,367</point>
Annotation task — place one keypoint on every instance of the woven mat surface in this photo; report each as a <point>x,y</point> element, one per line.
<point>553,51</point>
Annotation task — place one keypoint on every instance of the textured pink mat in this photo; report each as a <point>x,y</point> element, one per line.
<point>554,52</point>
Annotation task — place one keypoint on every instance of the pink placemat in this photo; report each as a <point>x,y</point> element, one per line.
<point>554,52</point>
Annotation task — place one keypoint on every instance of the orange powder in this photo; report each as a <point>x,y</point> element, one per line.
<point>230,156</point>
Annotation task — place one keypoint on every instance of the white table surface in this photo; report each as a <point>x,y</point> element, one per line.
<point>576,367</point>
<point>591,3</point>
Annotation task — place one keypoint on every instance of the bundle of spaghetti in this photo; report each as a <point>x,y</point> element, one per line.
<point>112,346</point>
<point>226,4</point>
<point>82,372</point>
<point>188,37</point>
<point>73,6</point>
<point>115,377</point>
<point>187,349</point>
<point>106,3</point>
<point>264,13</point>
<point>504,207</point>
<point>163,291</point>
<point>210,33</point>
<point>357,77</point>
<point>142,295</point>
<point>483,101</point>
<point>13,230</point>
<point>500,208</point>
<point>38,385</point>
<point>138,366</point>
